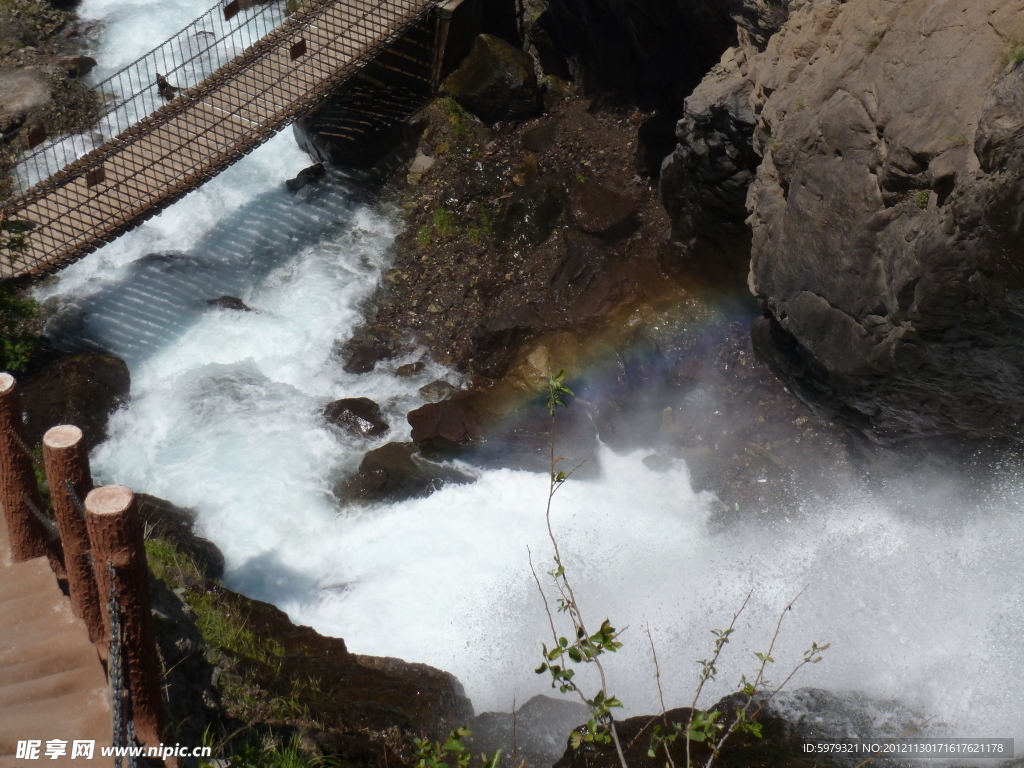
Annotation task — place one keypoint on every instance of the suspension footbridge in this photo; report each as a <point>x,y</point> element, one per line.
<point>197,104</point>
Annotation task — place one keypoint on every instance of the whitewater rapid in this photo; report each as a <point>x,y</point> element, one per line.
<point>920,596</point>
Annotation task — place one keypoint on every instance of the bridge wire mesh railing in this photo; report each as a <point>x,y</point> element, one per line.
<point>134,91</point>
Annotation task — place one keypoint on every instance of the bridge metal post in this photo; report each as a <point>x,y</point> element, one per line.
<point>18,488</point>
<point>67,470</point>
<point>115,532</point>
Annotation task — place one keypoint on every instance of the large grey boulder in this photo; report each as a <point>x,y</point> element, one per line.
<point>885,211</point>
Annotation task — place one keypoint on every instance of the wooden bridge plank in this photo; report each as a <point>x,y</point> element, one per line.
<point>198,147</point>
<point>242,107</point>
<point>149,176</point>
<point>273,100</point>
<point>122,200</point>
<point>162,143</point>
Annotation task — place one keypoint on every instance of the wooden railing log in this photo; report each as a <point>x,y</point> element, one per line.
<point>67,462</point>
<point>115,532</point>
<point>27,534</point>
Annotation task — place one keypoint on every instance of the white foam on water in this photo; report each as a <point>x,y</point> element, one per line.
<point>922,606</point>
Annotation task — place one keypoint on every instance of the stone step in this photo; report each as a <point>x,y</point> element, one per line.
<point>17,575</point>
<point>59,661</point>
<point>34,605</point>
<point>18,635</point>
<point>45,641</point>
<point>67,718</point>
<point>78,681</point>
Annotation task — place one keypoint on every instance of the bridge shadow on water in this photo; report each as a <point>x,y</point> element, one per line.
<point>155,299</point>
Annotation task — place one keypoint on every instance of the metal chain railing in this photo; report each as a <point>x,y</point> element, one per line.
<point>117,671</point>
<point>48,523</point>
<point>73,495</point>
<point>140,88</point>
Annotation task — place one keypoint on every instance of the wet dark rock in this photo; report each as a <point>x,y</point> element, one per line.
<point>74,66</point>
<point>436,390</point>
<point>362,357</point>
<point>411,369</point>
<point>528,218</point>
<point>600,211</point>
<point>542,727</point>
<point>165,520</point>
<point>704,182</point>
<point>478,427</point>
<point>396,472</point>
<point>655,140</point>
<point>354,693</point>
<point>495,82</point>
<point>584,255</point>
<point>305,177</point>
<point>229,302</point>
<point>541,138</point>
<point>451,425</point>
<point>338,131</point>
<point>82,389</point>
<point>359,416</point>
<point>497,341</point>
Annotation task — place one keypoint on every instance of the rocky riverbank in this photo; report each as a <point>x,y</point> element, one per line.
<point>42,54</point>
<point>541,244</point>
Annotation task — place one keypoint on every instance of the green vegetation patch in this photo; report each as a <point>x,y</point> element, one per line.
<point>222,627</point>
<point>19,339</point>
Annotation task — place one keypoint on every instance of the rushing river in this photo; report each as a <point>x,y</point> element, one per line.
<point>920,594</point>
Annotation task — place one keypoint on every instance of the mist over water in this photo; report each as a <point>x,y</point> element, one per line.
<point>921,594</point>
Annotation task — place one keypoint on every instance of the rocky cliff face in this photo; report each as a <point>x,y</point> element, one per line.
<point>879,148</point>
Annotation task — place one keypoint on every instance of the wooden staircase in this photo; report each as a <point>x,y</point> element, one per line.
<point>52,684</point>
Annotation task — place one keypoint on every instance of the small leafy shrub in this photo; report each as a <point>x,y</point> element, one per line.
<point>452,753</point>
<point>921,198</point>
<point>17,341</point>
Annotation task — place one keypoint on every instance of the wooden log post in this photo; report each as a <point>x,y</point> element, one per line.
<point>28,537</point>
<point>115,532</point>
<point>67,462</point>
